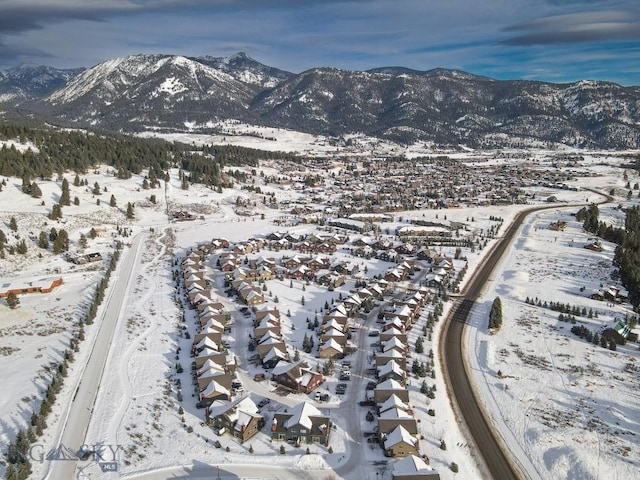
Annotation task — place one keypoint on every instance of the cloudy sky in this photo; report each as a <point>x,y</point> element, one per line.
<point>550,40</point>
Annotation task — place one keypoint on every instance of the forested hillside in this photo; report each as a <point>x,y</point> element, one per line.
<point>51,152</point>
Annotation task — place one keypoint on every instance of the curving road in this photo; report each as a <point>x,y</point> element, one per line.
<point>496,459</point>
<point>498,462</point>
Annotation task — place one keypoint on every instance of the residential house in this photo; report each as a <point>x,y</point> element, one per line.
<point>297,377</point>
<point>335,334</point>
<point>390,387</point>
<point>274,356</point>
<point>331,349</point>
<point>303,423</point>
<point>390,419</point>
<point>394,355</point>
<point>413,467</point>
<point>391,370</point>
<point>214,391</point>
<point>239,418</point>
<point>400,443</point>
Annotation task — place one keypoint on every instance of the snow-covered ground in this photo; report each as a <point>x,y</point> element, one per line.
<point>566,409</point>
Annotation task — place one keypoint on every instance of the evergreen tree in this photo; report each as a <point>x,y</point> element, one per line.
<point>61,243</point>
<point>495,316</point>
<point>22,247</point>
<point>65,196</point>
<point>13,301</point>
<point>56,212</point>
<point>13,225</point>
<point>26,185</point>
<point>35,190</point>
<point>112,201</point>
<point>130,214</point>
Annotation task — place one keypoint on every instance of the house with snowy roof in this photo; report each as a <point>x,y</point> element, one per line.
<point>302,423</point>
<point>413,467</point>
<point>391,418</point>
<point>297,377</point>
<point>391,370</point>
<point>331,349</point>
<point>400,443</point>
<point>240,417</point>
<point>214,391</point>
<point>390,387</point>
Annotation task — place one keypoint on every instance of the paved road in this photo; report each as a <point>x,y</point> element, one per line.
<point>497,462</point>
<point>81,408</point>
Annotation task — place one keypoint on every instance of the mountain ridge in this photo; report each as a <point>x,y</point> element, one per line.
<point>448,107</point>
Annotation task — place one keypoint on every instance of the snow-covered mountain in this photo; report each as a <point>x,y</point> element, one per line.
<point>245,69</point>
<point>444,106</point>
<point>28,82</point>
<point>142,91</point>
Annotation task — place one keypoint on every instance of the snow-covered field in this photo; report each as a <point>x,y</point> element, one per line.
<point>566,408</point>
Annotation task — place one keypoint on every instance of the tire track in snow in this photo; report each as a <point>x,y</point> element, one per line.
<point>124,371</point>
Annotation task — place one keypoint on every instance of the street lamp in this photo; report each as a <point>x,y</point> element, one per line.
<point>218,469</point>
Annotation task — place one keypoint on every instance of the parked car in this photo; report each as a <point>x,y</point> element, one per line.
<point>263,402</point>
<point>374,333</point>
<point>258,377</point>
<point>367,403</point>
<point>317,396</point>
<point>371,385</point>
<point>341,388</point>
<point>344,377</point>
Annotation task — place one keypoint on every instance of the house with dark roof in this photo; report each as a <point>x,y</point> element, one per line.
<point>296,377</point>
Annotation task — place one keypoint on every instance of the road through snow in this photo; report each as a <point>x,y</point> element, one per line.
<point>81,407</point>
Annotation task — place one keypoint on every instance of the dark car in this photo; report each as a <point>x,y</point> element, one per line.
<point>341,388</point>
<point>371,385</point>
<point>367,403</point>
<point>263,402</point>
